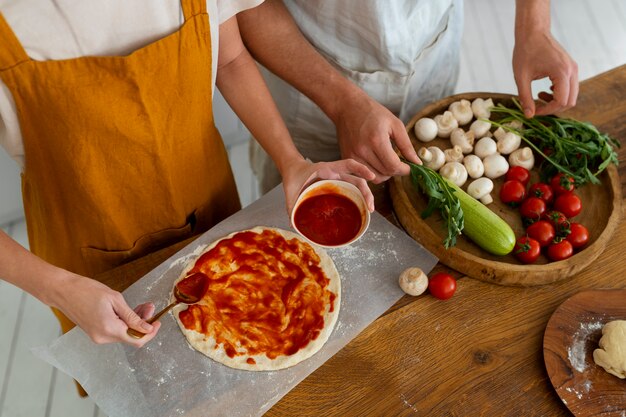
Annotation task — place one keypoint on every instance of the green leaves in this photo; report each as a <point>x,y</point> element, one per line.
<point>440,197</point>
<point>569,146</point>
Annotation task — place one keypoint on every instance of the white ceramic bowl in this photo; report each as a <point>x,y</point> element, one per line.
<point>334,187</point>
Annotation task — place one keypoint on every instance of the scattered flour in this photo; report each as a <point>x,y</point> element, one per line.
<point>408,404</point>
<point>576,352</point>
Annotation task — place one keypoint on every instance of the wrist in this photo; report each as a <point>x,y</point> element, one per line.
<point>344,96</point>
<point>532,17</point>
<point>58,284</point>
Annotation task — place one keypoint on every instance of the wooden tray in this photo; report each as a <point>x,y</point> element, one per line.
<point>601,213</point>
<point>571,336</point>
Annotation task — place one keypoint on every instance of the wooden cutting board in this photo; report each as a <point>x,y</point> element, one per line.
<point>571,336</point>
<point>601,213</point>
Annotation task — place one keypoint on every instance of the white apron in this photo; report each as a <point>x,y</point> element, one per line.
<point>402,53</point>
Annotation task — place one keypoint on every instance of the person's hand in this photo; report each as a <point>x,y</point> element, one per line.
<point>538,55</point>
<point>366,131</point>
<point>103,314</point>
<point>301,173</point>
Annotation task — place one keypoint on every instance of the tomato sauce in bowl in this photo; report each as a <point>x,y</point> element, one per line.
<point>330,213</point>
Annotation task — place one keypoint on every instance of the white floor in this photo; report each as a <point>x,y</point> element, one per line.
<point>594,33</point>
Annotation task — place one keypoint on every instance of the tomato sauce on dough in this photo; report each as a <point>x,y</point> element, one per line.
<point>266,295</point>
<point>328,219</point>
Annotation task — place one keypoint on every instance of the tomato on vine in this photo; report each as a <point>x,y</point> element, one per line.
<point>532,208</point>
<point>558,220</point>
<point>542,231</point>
<point>512,193</point>
<point>518,173</point>
<point>569,204</point>
<point>578,236</point>
<point>559,250</point>
<point>562,183</point>
<point>543,191</point>
<point>527,249</point>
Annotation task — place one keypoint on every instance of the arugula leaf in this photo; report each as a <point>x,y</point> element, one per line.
<point>440,197</point>
<point>569,146</point>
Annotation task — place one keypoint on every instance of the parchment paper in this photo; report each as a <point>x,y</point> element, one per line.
<point>167,378</point>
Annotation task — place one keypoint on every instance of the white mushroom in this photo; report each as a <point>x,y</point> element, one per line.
<point>413,281</point>
<point>499,133</point>
<point>462,139</point>
<point>523,157</point>
<point>455,172</point>
<point>485,147</point>
<point>462,111</point>
<point>474,166</point>
<point>480,128</point>
<point>515,124</point>
<point>454,154</point>
<point>482,108</point>
<point>432,157</point>
<point>495,165</point>
<point>446,123</point>
<point>425,129</point>
<point>480,189</point>
<point>508,143</point>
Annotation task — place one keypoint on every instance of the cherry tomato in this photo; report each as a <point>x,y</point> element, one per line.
<point>527,249</point>
<point>569,204</point>
<point>543,191</point>
<point>561,183</point>
<point>518,173</point>
<point>442,285</point>
<point>512,193</point>
<point>532,208</point>
<point>542,231</point>
<point>559,250</point>
<point>579,235</point>
<point>558,220</point>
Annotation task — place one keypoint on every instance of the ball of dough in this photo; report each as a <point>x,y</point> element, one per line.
<point>612,352</point>
<point>413,281</point>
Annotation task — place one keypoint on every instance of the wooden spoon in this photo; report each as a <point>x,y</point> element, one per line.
<point>188,291</point>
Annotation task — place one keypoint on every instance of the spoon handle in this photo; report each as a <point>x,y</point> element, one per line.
<point>137,334</point>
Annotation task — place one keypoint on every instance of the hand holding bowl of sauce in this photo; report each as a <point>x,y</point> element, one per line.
<point>330,214</point>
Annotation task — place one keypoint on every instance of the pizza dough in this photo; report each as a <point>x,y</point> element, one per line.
<point>272,302</point>
<point>612,352</point>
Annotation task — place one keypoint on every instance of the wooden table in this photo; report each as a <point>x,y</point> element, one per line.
<point>479,353</point>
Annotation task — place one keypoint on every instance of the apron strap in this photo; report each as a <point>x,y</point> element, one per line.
<point>192,8</point>
<point>12,52</point>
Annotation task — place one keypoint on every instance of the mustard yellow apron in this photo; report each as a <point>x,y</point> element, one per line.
<point>122,156</point>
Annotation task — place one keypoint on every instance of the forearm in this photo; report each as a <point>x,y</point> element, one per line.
<point>273,38</point>
<point>243,87</point>
<point>531,16</point>
<point>28,272</point>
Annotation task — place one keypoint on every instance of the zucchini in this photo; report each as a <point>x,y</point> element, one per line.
<point>483,226</point>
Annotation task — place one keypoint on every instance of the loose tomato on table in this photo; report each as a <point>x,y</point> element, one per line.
<point>569,204</point>
<point>512,193</point>
<point>527,249</point>
<point>562,183</point>
<point>532,208</point>
<point>578,236</point>
<point>542,231</point>
<point>442,285</point>
<point>518,173</point>
<point>559,250</point>
<point>543,191</point>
